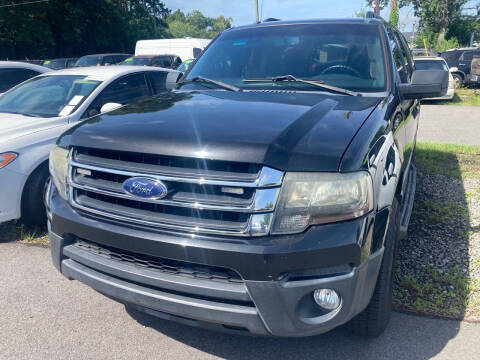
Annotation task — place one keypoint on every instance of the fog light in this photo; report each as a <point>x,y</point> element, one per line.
<point>327,298</point>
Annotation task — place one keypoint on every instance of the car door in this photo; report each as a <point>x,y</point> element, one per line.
<point>124,90</point>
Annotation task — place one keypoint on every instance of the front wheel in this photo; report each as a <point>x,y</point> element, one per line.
<point>33,207</point>
<point>458,80</point>
<point>374,319</point>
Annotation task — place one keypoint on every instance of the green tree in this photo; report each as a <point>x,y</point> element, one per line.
<point>195,24</point>
<point>394,16</point>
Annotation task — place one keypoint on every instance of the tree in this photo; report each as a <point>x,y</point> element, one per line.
<point>64,28</point>
<point>394,16</point>
<point>195,24</point>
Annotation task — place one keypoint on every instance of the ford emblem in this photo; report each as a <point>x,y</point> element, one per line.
<point>145,188</point>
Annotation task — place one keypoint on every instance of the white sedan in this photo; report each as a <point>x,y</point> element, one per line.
<point>34,113</point>
<point>15,72</point>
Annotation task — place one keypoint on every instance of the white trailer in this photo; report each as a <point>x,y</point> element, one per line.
<point>187,48</point>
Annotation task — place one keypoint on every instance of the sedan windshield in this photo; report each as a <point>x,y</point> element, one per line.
<point>48,96</point>
<point>348,56</point>
<point>136,61</point>
<point>89,61</point>
<point>430,65</point>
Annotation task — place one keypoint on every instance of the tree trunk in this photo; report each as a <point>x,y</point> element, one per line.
<point>441,35</point>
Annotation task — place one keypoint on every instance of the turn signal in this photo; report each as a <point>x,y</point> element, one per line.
<point>7,158</point>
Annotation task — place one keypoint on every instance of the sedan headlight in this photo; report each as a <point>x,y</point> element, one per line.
<point>316,198</point>
<point>59,169</point>
<point>6,158</point>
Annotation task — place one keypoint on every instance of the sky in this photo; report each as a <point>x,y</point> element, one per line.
<point>242,11</point>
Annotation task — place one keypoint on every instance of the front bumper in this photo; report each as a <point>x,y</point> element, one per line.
<point>278,274</point>
<point>11,194</point>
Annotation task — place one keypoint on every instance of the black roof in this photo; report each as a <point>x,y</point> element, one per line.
<point>107,54</point>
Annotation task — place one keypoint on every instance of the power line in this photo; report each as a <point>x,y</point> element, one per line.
<point>24,3</point>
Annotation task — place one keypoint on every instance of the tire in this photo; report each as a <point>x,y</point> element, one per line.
<point>458,80</point>
<point>372,321</point>
<point>33,208</point>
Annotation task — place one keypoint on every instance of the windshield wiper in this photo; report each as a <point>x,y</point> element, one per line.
<point>317,83</point>
<point>21,113</point>
<point>211,81</point>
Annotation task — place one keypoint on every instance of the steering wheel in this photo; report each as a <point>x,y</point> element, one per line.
<point>341,68</point>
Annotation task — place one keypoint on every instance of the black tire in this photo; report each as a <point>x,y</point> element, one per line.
<point>374,319</point>
<point>458,80</point>
<point>33,208</point>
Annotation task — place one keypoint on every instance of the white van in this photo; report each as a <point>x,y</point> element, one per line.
<point>187,48</point>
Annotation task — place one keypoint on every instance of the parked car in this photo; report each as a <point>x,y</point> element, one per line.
<point>101,59</point>
<point>423,52</point>
<point>460,63</point>
<point>58,64</point>
<point>267,194</point>
<point>13,73</point>
<point>186,48</point>
<point>164,61</point>
<point>184,66</point>
<point>35,113</point>
<point>437,63</point>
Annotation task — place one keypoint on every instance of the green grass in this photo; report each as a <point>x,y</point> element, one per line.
<point>456,292</point>
<point>448,159</point>
<point>463,96</point>
<point>17,231</point>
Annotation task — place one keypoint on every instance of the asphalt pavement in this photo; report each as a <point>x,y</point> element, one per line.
<point>45,316</point>
<point>449,124</point>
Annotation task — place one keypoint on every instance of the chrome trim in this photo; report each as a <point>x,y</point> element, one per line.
<point>268,177</point>
<point>261,208</point>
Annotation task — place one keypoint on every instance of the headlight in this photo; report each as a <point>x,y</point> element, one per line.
<point>6,158</point>
<point>315,198</point>
<point>59,169</point>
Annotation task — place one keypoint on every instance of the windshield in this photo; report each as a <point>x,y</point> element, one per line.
<point>89,61</point>
<point>430,65</point>
<point>48,96</point>
<point>348,56</point>
<point>54,64</point>
<point>136,61</point>
<point>185,65</point>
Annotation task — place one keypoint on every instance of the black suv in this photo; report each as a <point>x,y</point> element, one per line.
<point>267,194</point>
<point>460,63</point>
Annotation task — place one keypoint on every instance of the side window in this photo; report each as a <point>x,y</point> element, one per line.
<point>398,57</point>
<point>71,63</point>
<point>122,91</point>
<point>177,62</point>
<point>108,60</point>
<point>196,52</point>
<point>11,77</point>
<point>467,56</point>
<point>159,79</point>
<point>407,54</point>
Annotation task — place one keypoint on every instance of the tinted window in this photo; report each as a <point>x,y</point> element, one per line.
<point>430,65</point>
<point>89,61</point>
<point>398,57</point>
<point>122,91</point>
<point>119,58</point>
<point>11,77</point>
<point>136,61</point>
<point>196,52</point>
<point>162,61</point>
<point>467,55</point>
<point>159,79</point>
<point>108,60</point>
<point>71,62</point>
<point>54,64</point>
<point>348,56</point>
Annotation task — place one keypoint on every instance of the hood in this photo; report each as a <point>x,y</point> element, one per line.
<point>284,130</point>
<point>13,126</point>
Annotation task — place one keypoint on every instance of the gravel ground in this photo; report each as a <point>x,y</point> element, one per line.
<point>438,270</point>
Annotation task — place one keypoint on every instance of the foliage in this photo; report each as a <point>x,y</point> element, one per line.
<point>195,24</point>
<point>394,15</point>
<point>62,28</point>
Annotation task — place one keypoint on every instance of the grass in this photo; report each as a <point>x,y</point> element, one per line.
<point>463,96</point>
<point>17,231</point>
<point>454,293</point>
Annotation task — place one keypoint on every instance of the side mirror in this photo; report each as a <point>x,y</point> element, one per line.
<point>426,84</point>
<point>109,107</point>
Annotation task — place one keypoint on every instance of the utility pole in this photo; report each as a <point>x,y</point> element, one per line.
<point>256,11</point>
<point>376,7</point>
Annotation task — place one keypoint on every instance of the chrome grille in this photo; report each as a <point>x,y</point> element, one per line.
<point>204,196</point>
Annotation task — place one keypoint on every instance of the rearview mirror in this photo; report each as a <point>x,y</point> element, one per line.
<point>426,84</point>
<point>109,107</point>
